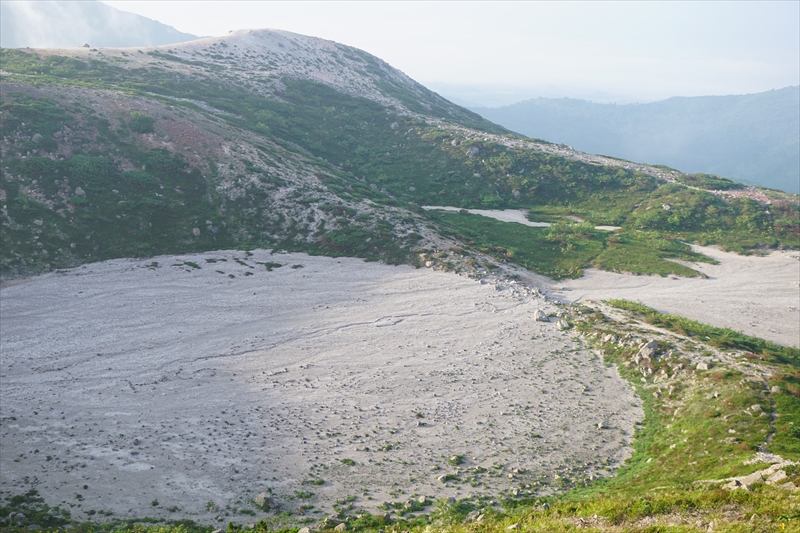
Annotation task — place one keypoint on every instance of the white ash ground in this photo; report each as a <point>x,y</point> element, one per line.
<point>757,295</point>
<point>186,386</point>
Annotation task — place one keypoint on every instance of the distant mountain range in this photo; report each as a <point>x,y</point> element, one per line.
<point>751,138</point>
<point>71,23</point>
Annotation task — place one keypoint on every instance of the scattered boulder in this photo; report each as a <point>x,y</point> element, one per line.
<point>776,478</point>
<point>37,138</point>
<point>80,192</point>
<point>703,366</point>
<point>304,530</point>
<point>472,151</point>
<point>331,522</point>
<point>265,502</point>
<point>563,324</point>
<point>752,479</point>
<point>736,484</point>
<point>775,390</point>
<point>541,316</point>
<point>341,527</point>
<point>649,350</point>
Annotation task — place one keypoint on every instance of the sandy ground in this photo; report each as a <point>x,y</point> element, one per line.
<point>757,295</point>
<point>129,382</point>
<point>519,216</point>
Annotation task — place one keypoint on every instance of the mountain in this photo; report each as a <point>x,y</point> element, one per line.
<point>266,139</point>
<point>271,139</point>
<point>751,138</point>
<point>72,23</point>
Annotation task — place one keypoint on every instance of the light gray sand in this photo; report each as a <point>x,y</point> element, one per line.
<point>757,295</point>
<point>503,215</point>
<point>189,387</point>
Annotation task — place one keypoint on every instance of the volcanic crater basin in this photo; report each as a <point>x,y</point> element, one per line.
<point>187,385</point>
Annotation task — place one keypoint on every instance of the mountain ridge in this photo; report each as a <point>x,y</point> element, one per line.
<point>299,142</point>
<point>749,137</point>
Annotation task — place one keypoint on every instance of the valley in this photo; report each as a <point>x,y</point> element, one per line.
<point>268,280</point>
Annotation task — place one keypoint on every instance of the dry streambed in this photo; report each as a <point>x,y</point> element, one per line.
<point>200,381</point>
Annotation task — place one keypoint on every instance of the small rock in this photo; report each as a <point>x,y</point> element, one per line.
<point>196,232</point>
<point>562,324</point>
<point>777,477</point>
<point>422,500</point>
<point>512,527</point>
<point>775,390</point>
<point>541,316</point>
<point>703,366</point>
<point>304,530</point>
<point>755,408</point>
<point>37,138</point>
<point>471,516</point>
<point>472,151</point>
<point>265,501</point>
<point>736,484</point>
<point>80,192</point>
<point>752,479</point>
<point>648,351</point>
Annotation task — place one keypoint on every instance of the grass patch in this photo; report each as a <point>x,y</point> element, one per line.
<point>719,337</point>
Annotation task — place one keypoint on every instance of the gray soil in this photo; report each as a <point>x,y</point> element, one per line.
<point>199,388</point>
<point>757,295</point>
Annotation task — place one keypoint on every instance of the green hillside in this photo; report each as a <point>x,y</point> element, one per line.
<point>362,160</point>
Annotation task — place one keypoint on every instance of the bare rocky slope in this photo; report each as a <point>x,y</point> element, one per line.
<point>269,138</point>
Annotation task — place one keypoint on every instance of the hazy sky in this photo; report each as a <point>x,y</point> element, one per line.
<point>606,51</point>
